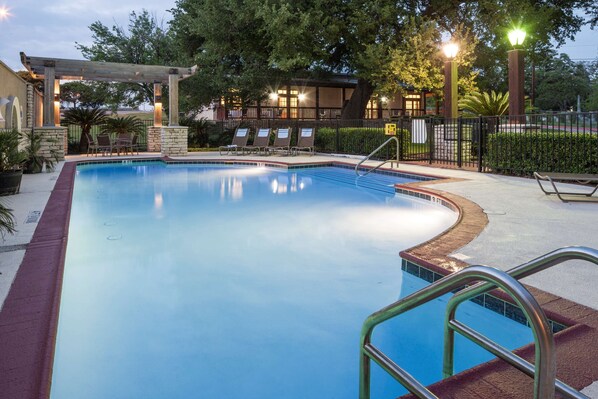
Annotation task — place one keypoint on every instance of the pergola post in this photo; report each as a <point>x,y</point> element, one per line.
<point>157,104</point>
<point>173,98</point>
<point>56,102</point>
<point>49,83</point>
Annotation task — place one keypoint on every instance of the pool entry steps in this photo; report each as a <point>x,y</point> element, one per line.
<point>544,373</point>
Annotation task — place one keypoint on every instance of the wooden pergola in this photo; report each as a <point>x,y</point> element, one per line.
<point>52,70</point>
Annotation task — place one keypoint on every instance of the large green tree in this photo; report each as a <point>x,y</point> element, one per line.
<point>143,41</point>
<point>242,44</point>
<point>560,81</point>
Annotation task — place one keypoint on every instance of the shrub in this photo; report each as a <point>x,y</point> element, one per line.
<point>525,153</point>
<point>359,140</point>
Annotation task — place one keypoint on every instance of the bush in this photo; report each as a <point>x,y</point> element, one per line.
<point>525,153</point>
<point>359,140</point>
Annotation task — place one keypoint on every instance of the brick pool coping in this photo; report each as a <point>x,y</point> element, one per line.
<point>29,316</point>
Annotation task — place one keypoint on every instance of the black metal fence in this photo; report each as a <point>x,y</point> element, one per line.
<point>74,135</point>
<point>565,142</point>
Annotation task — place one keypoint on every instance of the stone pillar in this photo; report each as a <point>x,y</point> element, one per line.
<point>516,78</point>
<point>450,89</point>
<point>173,99</point>
<point>174,141</point>
<point>154,138</point>
<point>49,79</point>
<point>54,140</point>
<point>158,104</point>
<point>30,106</point>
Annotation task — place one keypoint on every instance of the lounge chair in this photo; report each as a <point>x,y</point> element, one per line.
<point>123,142</point>
<point>305,141</point>
<point>282,141</point>
<point>567,177</point>
<point>239,141</point>
<point>92,145</point>
<point>260,142</point>
<point>104,143</point>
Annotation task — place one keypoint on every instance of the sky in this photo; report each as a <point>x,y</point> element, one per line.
<point>51,27</point>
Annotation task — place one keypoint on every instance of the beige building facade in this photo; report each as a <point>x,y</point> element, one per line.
<point>20,104</point>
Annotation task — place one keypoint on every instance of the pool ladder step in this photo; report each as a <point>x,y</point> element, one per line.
<point>544,371</point>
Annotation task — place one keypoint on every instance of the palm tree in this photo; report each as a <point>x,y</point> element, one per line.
<point>485,104</point>
<point>85,118</point>
<point>123,124</point>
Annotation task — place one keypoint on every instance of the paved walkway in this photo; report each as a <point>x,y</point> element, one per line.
<point>523,224</point>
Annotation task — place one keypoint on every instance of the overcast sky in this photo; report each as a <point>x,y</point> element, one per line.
<point>51,27</point>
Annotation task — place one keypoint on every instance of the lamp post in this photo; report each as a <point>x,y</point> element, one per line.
<point>450,81</point>
<point>516,76</point>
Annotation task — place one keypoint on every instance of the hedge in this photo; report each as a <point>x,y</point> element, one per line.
<point>359,140</point>
<point>523,154</point>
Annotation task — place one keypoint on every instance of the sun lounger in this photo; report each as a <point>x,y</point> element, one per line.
<point>239,141</point>
<point>260,142</point>
<point>305,141</point>
<point>552,178</point>
<point>282,141</point>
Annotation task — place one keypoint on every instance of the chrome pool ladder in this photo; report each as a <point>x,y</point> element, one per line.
<point>392,161</point>
<point>544,372</point>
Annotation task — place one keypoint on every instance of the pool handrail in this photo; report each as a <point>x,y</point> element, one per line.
<point>384,162</point>
<point>527,269</point>
<point>545,372</point>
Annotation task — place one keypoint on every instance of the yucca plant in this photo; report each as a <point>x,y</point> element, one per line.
<point>485,104</point>
<point>85,118</point>
<point>7,221</point>
<point>35,158</point>
<point>123,124</point>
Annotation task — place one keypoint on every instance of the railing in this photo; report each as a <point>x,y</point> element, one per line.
<point>383,163</point>
<point>544,343</point>
<point>545,382</point>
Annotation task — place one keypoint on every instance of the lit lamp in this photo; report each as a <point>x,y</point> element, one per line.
<point>516,76</point>
<point>157,104</point>
<point>4,13</point>
<point>301,98</point>
<point>450,81</point>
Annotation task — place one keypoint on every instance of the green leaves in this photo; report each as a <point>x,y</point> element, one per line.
<point>485,104</point>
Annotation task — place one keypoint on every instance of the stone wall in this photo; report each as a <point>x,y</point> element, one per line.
<point>174,141</point>
<point>154,138</point>
<point>54,141</point>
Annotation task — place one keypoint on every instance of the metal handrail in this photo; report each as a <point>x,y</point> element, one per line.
<point>524,270</point>
<point>375,151</point>
<point>544,343</point>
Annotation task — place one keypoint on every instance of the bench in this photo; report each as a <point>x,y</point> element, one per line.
<point>552,178</point>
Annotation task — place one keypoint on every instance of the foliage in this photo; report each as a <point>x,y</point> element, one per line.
<point>360,140</point>
<point>35,159</point>
<point>123,124</point>
<point>7,221</point>
<point>85,118</point>
<point>143,41</point>
<point>560,81</point>
<point>198,131</point>
<point>485,104</point>
<point>11,158</point>
<point>523,154</point>
<point>93,94</point>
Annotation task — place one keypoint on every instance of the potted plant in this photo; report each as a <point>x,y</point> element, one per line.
<point>35,160</point>
<point>11,162</point>
<point>7,221</point>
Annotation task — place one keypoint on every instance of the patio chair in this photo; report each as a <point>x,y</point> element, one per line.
<point>305,142</point>
<point>92,145</point>
<point>571,178</point>
<point>282,141</point>
<point>239,141</point>
<point>123,141</point>
<point>260,142</point>
<point>135,144</point>
<point>104,144</point>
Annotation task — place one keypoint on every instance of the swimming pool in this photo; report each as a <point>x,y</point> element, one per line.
<point>244,282</point>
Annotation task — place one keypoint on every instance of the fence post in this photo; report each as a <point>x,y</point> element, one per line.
<point>481,136</point>
<point>459,141</point>
<point>337,141</point>
<point>431,138</point>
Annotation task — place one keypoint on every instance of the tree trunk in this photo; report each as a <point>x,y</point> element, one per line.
<point>83,144</point>
<point>355,107</point>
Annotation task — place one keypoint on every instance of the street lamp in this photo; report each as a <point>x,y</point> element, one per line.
<point>516,76</point>
<point>450,81</point>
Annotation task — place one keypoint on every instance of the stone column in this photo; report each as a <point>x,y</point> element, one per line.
<point>174,141</point>
<point>173,98</point>
<point>154,138</point>
<point>54,140</point>
<point>516,94</point>
<point>49,79</point>
<point>450,89</point>
<point>30,106</point>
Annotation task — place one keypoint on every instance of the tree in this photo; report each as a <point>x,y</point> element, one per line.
<point>7,221</point>
<point>244,43</point>
<point>485,104</point>
<point>85,118</point>
<point>143,41</point>
<point>560,82</point>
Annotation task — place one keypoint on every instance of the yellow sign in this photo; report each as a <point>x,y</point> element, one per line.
<point>390,129</point>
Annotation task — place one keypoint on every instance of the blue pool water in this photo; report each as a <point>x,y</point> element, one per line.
<point>189,281</point>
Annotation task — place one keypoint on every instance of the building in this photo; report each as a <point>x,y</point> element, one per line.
<point>20,104</point>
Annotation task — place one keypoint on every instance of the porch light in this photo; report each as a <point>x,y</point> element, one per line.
<point>516,37</point>
<point>301,97</point>
<point>383,99</point>
<point>450,50</point>
<point>273,96</point>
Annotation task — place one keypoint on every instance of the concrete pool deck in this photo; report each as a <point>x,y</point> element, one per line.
<point>523,223</point>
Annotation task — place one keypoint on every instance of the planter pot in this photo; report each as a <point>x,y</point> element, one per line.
<point>10,182</point>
